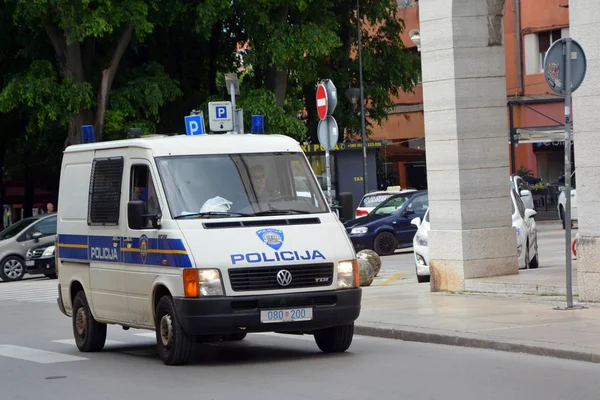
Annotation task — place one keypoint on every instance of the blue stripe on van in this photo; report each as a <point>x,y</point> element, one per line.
<point>158,252</point>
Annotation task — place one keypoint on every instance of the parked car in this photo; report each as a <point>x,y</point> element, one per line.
<point>562,206</point>
<point>18,238</point>
<point>371,200</point>
<point>523,189</point>
<point>388,227</point>
<point>41,260</point>
<point>525,227</point>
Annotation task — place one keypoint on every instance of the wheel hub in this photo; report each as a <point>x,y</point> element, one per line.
<point>81,322</point>
<point>166,330</point>
<point>13,269</point>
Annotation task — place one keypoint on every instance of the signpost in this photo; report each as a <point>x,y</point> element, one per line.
<point>220,116</point>
<point>194,124</point>
<point>565,66</point>
<point>328,127</point>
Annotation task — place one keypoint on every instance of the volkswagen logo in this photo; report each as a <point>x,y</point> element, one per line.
<point>284,277</point>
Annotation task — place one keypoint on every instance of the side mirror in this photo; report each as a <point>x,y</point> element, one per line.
<point>135,214</point>
<point>525,193</point>
<point>36,236</point>
<point>416,222</point>
<point>529,213</point>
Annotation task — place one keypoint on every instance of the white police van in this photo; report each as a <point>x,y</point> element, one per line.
<point>201,238</point>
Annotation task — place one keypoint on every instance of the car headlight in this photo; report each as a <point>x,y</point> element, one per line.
<point>29,254</point>
<point>210,283</point>
<point>347,272</point>
<point>421,240</point>
<point>358,230</point>
<point>49,251</point>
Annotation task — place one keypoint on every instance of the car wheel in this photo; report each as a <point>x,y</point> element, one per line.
<point>175,346</point>
<point>336,339</point>
<point>12,269</point>
<point>562,217</point>
<point>385,244</point>
<point>535,261</point>
<point>90,335</point>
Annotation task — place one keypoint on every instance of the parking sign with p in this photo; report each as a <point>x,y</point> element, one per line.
<point>220,118</point>
<point>194,125</point>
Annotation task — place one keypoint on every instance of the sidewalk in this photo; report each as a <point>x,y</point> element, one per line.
<point>515,323</point>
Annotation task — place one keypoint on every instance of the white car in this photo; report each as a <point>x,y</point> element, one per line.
<point>522,188</point>
<point>373,199</point>
<point>522,220</point>
<point>562,206</point>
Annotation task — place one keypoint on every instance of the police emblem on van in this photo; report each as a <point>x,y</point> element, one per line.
<point>143,248</point>
<point>271,237</point>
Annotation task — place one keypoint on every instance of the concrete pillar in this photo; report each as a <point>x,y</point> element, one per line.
<point>466,133</point>
<point>584,18</point>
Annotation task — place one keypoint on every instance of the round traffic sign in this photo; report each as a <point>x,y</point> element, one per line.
<point>555,66</point>
<point>574,247</point>
<point>328,133</point>
<point>321,101</point>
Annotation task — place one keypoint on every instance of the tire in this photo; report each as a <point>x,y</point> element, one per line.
<point>12,269</point>
<point>235,337</point>
<point>89,334</point>
<point>385,244</point>
<point>336,339</point>
<point>562,217</point>
<point>51,276</point>
<point>174,345</point>
<point>535,262</point>
<point>527,255</point>
<point>423,278</point>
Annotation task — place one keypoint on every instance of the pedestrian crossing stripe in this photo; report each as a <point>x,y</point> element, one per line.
<point>36,355</point>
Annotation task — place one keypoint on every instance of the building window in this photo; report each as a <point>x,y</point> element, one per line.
<point>545,40</point>
<point>536,45</point>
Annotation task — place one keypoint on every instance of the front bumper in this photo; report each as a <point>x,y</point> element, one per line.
<point>41,266</point>
<point>226,315</point>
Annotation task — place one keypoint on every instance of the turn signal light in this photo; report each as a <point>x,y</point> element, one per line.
<point>355,273</point>
<point>190,282</point>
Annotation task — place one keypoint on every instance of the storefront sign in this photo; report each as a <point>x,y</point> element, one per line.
<point>345,146</point>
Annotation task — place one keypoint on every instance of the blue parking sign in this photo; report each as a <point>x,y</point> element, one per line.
<point>221,111</point>
<point>194,125</point>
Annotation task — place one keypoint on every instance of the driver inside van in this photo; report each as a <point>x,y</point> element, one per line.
<point>258,176</point>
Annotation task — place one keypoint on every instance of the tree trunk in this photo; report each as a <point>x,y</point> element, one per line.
<point>276,76</point>
<point>107,78</point>
<point>213,54</point>
<point>29,191</point>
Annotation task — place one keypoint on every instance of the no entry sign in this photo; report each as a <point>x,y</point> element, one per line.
<point>322,101</point>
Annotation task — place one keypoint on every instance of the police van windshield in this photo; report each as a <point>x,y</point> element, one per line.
<point>240,185</point>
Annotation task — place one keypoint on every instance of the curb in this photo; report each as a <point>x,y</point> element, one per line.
<point>463,341</point>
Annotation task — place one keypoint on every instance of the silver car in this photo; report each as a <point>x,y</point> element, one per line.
<point>15,240</point>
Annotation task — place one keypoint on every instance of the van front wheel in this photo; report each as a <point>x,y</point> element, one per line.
<point>174,345</point>
<point>90,335</point>
<point>336,339</point>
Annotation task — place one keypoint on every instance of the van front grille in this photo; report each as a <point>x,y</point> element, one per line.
<point>265,278</point>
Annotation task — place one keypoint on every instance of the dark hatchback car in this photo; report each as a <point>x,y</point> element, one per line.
<point>41,260</point>
<point>387,227</point>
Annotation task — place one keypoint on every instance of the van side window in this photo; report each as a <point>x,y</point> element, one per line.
<point>105,191</point>
<point>142,188</point>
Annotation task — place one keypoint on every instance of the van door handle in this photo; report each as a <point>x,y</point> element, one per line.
<point>127,241</point>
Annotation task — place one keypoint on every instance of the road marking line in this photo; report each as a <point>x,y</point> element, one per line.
<point>72,342</point>
<point>391,279</point>
<point>35,355</point>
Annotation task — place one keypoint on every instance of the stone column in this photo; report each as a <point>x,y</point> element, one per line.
<point>466,133</point>
<point>584,18</point>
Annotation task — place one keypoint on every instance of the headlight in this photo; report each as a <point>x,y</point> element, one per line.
<point>347,274</point>
<point>29,254</point>
<point>209,282</point>
<point>421,240</point>
<point>48,252</point>
<point>358,230</point>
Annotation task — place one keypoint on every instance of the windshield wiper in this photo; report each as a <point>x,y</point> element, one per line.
<point>211,214</point>
<point>276,211</point>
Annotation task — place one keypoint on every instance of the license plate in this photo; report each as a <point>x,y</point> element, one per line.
<point>30,263</point>
<point>287,315</point>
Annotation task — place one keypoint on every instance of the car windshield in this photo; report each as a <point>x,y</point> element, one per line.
<point>427,215</point>
<point>375,199</point>
<point>15,228</point>
<point>240,185</point>
<point>390,205</point>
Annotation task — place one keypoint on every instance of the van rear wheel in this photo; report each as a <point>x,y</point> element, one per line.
<point>336,339</point>
<point>90,335</point>
<point>174,345</point>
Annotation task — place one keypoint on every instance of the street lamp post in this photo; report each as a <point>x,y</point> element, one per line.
<point>362,101</point>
